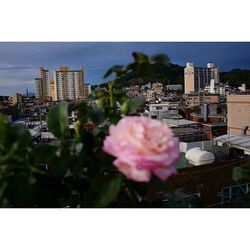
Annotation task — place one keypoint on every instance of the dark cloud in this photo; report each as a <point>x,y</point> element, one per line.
<point>20,62</point>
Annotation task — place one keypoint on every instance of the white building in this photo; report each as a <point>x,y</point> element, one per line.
<point>220,89</point>
<point>87,89</point>
<point>69,83</point>
<point>157,87</point>
<point>211,88</point>
<point>242,88</point>
<point>161,111</point>
<point>223,89</point>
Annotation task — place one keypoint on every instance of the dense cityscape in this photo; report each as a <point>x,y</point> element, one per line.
<point>211,119</point>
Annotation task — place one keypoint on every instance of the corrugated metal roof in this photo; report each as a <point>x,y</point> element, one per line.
<point>236,141</point>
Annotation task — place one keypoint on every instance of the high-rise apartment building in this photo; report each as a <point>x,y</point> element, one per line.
<point>69,83</point>
<point>42,84</point>
<point>53,91</point>
<point>45,76</point>
<point>197,78</point>
<point>38,88</point>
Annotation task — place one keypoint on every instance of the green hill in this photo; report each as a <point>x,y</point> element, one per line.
<point>172,74</point>
<point>236,77</point>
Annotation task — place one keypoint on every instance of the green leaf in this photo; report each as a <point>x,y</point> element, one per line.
<point>97,115</point>
<point>161,58</point>
<point>58,119</point>
<point>45,154</point>
<point>20,191</point>
<point>140,57</point>
<point>60,167</point>
<point>102,102</point>
<point>100,93</point>
<point>130,106</point>
<point>103,191</point>
<point>117,69</point>
<point>83,112</point>
<point>238,174</point>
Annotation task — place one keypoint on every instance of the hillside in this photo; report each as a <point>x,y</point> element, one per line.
<point>236,77</point>
<point>174,74</point>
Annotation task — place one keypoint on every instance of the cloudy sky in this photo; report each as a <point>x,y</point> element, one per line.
<point>20,62</point>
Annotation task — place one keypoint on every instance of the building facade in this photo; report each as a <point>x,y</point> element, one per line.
<point>197,100</point>
<point>238,108</point>
<point>69,83</point>
<point>53,91</point>
<point>45,80</point>
<point>197,78</point>
<point>157,87</point>
<point>87,89</point>
<point>16,99</point>
<point>38,88</point>
<point>150,95</point>
<point>134,91</point>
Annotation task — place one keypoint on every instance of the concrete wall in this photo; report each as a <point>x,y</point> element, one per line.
<point>238,107</point>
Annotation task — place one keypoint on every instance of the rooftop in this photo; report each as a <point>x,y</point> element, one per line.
<point>215,124</point>
<point>235,141</point>
<point>178,122</point>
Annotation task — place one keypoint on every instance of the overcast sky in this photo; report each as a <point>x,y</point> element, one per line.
<point>20,62</point>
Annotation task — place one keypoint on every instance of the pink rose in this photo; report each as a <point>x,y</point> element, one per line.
<point>142,147</point>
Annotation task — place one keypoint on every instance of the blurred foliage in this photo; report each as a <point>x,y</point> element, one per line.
<point>58,120</point>
<point>146,69</point>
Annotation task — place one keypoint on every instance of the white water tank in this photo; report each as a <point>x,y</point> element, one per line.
<point>198,157</point>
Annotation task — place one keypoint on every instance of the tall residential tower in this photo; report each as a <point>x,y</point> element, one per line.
<point>69,83</point>
<point>42,84</point>
<point>45,76</point>
<point>197,78</point>
<point>38,88</point>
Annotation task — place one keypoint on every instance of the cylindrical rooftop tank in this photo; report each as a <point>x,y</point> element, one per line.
<point>198,157</point>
